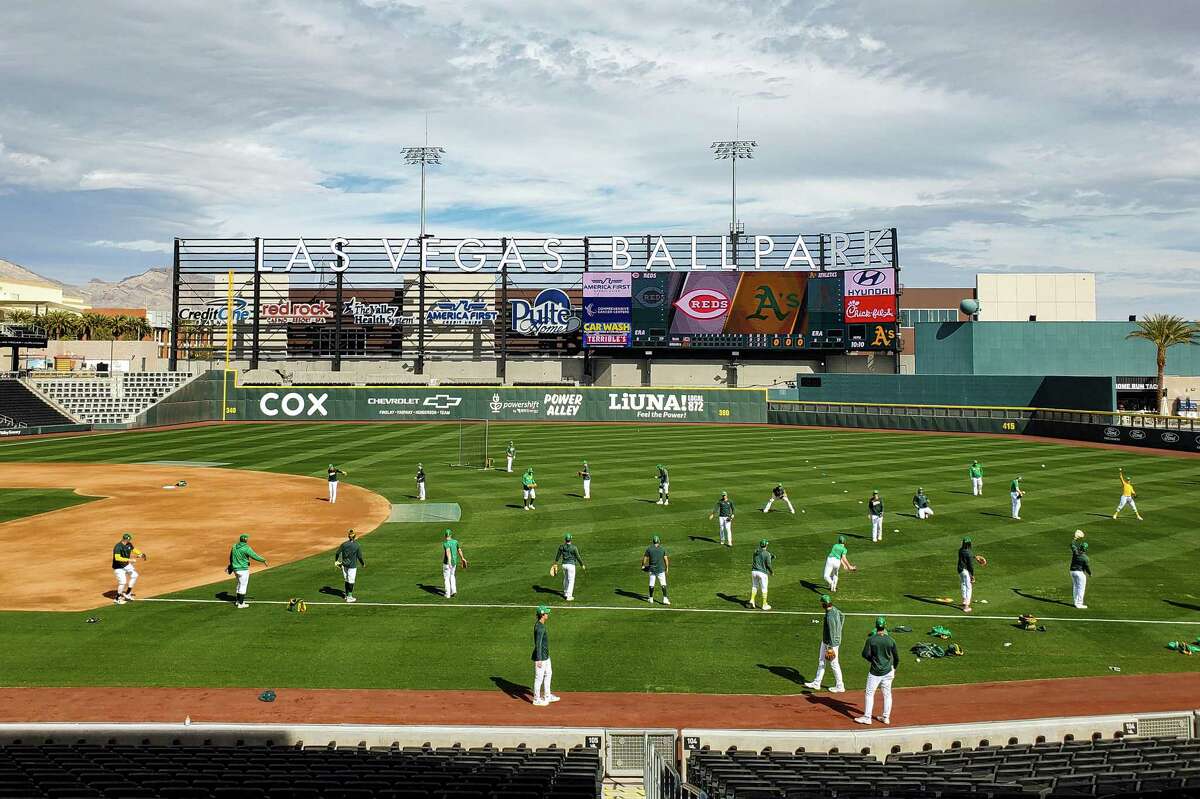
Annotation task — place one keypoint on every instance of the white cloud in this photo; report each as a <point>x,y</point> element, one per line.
<point>141,245</point>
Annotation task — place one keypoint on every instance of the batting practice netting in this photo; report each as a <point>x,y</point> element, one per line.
<point>473,444</point>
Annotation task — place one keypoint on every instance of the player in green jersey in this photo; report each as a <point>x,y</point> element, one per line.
<point>761,569</point>
<point>834,563</point>
<point>875,514</point>
<point>566,558</point>
<point>656,562</point>
<point>528,489</point>
<point>724,511</point>
<point>348,558</point>
<point>509,454</point>
<point>831,640</point>
<point>976,473</point>
<point>778,493</point>
<point>452,558</point>
<point>664,486</point>
<point>1015,492</point>
<point>921,503</point>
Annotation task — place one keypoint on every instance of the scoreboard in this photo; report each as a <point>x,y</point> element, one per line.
<point>834,311</point>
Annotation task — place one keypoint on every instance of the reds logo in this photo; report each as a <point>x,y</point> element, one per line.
<point>703,303</point>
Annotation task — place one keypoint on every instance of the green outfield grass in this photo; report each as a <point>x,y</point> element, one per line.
<point>610,639</point>
<point>18,503</point>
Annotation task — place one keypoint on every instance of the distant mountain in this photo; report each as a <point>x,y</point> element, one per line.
<point>150,290</point>
<point>17,272</point>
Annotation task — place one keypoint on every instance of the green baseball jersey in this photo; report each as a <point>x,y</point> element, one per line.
<point>875,507</point>
<point>723,508</point>
<point>527,480</point>
<point>349,554</point>
<point>541,642</point>
<point>880,651</point>
<point>778,491</point>
<point>763,561</point>
<point>657,556</point>
<point>121,553</point>
<point>1015,485</point>
<point>450,555</point>
<point>511,451</point>
<point>568,553</point>
<point>975,470</point>
<point>334,473</point>
<point>1079,561</point>
<point>920,501</point>
<point>838,551</point>
<point>585,473</point>
<point>420,475</point>
<point>241,554</point>
<point>662,476</point>
<point>831,631</point>
<point>966,560</point>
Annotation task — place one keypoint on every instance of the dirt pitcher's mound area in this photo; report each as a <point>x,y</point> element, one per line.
<point>186,532</point>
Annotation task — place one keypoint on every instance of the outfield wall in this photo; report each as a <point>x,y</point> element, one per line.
<point>1091,393</point>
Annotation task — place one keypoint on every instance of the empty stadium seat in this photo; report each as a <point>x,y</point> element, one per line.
<point>22,407</point>
<point>113,399</point>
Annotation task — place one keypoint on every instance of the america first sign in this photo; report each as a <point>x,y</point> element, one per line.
<point>855,250</point>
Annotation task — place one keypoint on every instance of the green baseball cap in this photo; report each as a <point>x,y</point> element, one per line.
<point>880,623</point>
<point>841,539</point>
<point>874,490</point>
<point>1083,545</point>
<point>658,466</point>
<point>826,599</point>
<point>920,490</point>
<point>654,540</point>
<point>724,493</point>
<point>585,463</point>
<point>244,537</point>
<point>448,532</point>
<point>543,610</point>
<point>967,540</point>
<point>126,537</point>
<point>567,537</point>
<point>763,542</point>
<point>779,485</point>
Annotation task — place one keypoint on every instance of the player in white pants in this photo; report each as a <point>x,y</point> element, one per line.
<point>1127,495</point>
<point>452,558</point>
<point>542,670</point>
<point>333,473</point>
<point>966,573</point>
<point>509,454</point>
<point>1015,493</point>
<point>1081,567</point>
<point>124,556</point>
<point>566,558</point>
<point>875,514</point>
<point>586,474</point>
<point>831,640</point>
<point>881,654</point>
<point>778,493</point>
<point>656,562</point>
<point>921,503</point>
<point>420,482</point>
<point>975,470</point>
<point>723,511</point>
<point>834,563</point>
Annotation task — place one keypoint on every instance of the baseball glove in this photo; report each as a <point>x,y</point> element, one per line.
<point>830,654</point>
<point>296,605</point>
<point>553,569</point>
<point>981,560</point>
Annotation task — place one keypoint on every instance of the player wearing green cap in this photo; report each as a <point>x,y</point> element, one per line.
<point>778,493</point>
<point>1015,493</point>
<point>348,558</point>
<point>921,503</point>
<point>831,639</point>
<point>723,510</point>
<point>664,486</point>
<point>1081,567</point>
<point>542,672</point>
<point>761,570</point>
<point>966,573</point>
<point>452,558</point>
<point>528,489</point>
<point>240,556</point>
<point>834,563</point>
<point>420,482</point>
<point>657,563</point>
<point>124,556</point>
<point>510,453</point>
<point>875,514</point>
<point>975,470</point>
<point>884,659</point>
<point>566,558</point>
<point>586,474</point>
<point>332,474</point>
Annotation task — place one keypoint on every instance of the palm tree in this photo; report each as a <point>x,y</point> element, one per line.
<point>1165,331</point>
<point>21,317</point>
<point>94,326</point>
<point>60,324</point>
<point>135,328</point>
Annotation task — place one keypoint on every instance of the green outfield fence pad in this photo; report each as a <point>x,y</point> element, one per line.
<point>426,512</point>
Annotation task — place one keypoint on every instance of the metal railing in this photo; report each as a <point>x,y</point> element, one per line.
<point>9,422</point>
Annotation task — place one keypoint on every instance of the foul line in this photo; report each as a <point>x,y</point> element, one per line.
<point>657,608</point>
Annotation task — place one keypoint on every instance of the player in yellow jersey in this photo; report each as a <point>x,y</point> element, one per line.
<point>1127,496</point>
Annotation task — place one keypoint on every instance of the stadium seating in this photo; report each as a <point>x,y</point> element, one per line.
<point>110,400</point>
<point>59,771</point>
<point>24,408</point>
<point>1127,767</point>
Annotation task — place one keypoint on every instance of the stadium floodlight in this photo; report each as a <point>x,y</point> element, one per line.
<point>422,156</point>
<point>732,150</point>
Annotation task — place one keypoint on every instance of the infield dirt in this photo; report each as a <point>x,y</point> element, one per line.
<point>185,532</point>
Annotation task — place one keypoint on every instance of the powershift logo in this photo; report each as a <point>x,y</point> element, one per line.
<point>550,314</point>
<point>520,407</point>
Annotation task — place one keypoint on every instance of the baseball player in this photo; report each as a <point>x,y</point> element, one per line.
<point>541,659</point>
<point>586,474</point>
<point>778,493</point>
<point>1081,567</point>
<point>831,640</point>
<point>761,570</point>
<point>921,503</point>
<point>834,563</point>
<point>240,556</point>
<point>723,510</point>
<point>976,473</point>
<point>884,659</point>
<point>420,482</point>
<point>334,473</point>
<point>124,556</point>
<point>1015,492</point>
<point>1127,496</point>
<point>509,455</point>
<point>349,558</point>
<point>966,572</point>
<point>452,558</point>
<point>657,562</point>
<point>528,489</point>
<point>875,514</point>
<point>566,558</point>
<point>664,486</point>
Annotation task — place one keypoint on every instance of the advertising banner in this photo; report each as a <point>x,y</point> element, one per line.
<point>879,309</point>
<point>607,310</point>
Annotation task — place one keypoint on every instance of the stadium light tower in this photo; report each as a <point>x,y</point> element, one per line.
<point>423,155</point>
<point>732,150</point>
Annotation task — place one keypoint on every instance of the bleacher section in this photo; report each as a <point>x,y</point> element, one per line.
<point>261,772</point>
<point>110,400</point>
<point>1125,767</point>
<point>21,407</point>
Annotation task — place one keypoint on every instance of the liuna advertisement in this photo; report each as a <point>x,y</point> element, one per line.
<point>498,404</point>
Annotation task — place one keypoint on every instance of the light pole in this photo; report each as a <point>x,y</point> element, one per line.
<point>732,150</point>
<point>422,155</point>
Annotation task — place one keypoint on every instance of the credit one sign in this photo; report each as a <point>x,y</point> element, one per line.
<point>862,249</point>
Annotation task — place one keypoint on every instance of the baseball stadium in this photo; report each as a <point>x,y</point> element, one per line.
<point>653,515</point>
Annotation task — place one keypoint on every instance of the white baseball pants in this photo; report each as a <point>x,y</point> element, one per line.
<point>977,486</point>
<point>349,574</point>
<point>243,580</point>
<point>1016,504</point>
<point>664,488</point>
<point>123,574</point>
<point>333,491</point>
<point>924,513</point>
<point>568,572</point>
<point>784,499</point>
<point>661,578</point>
<point>587,488</point>
<point>967,586</point>
<point>1126,501</point>
<point>885,683</point>
<point>542,672</point>
<point>834,664</point>
<point>529,493</point>
<point>726,530</point>
<point>1078,587</point>
<point>421,490</point>
<point>832,567</point>
<point>449,583</point>
<point>759,581</point>
<point>508,468</point>
<point>876,528</point>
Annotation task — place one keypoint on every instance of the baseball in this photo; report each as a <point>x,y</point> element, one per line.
<point>1079,534</point>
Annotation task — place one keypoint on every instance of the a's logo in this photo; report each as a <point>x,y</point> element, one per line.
<point>296,312</point>
<point>703,303</point>
<point>1137,435</point>
<point>883,336</point>
<point>549,314</point>
<point>496,405</point>
<point>1169,437</point>
<point>1112,433</point>
<point>293,404</point>
<point>868,277</point>
<point>767,301</point>
<point>443,402</point>
<point>214,312</point>
<point>466,313</point>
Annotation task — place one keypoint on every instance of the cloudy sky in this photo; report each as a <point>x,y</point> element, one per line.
<point>996,136</point>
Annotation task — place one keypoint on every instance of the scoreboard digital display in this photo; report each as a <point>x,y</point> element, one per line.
<point>795,310</point>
